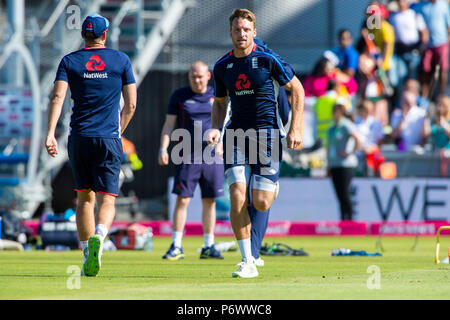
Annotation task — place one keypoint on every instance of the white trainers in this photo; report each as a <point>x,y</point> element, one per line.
<point>259,262</point>
<point>247,269</point>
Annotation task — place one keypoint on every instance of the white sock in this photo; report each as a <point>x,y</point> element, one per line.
<point>245,246</point>
<point>209,239</point>
<point>85,249</point>
<point>176,238</point>
<point>101,230</point>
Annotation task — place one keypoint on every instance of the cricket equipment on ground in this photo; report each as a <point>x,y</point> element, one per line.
<point>247,269</point>
<point>281,249</point>
<point>355,253</point>
<point>174,253</point>
<point>436,259</point>
<point>92,265</point>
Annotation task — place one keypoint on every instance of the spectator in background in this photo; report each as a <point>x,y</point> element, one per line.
<point>370,130</point>
<point>413,85</point>
<point>346,53</point>
<point>438,129</point>
<point>382,35</point>
<point>436,14</point>
<point>370,85</point>
<point>411,36</point>
<point>343,141</point>
<point>323,111</point>
<point>407,122</point>
<point>324,70</point>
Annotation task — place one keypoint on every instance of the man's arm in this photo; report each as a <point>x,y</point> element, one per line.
<point>169,125</point>
<point>129,93</point>
<point>294,137</point>
<point>218,114</point>
<point>56,103</point>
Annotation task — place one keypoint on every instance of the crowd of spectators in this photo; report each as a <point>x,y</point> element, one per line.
<point>391,79</point>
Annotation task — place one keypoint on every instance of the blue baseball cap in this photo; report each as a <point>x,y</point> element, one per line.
<point>96,24</point>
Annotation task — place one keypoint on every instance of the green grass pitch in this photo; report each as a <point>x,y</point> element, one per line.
<point>404,273</point>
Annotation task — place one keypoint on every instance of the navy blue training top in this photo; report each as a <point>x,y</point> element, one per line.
<point>252,84</point>
<point>95,78</point>
<point>192,109</point>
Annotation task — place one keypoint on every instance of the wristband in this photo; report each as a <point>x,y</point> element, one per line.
<point>162,151</point>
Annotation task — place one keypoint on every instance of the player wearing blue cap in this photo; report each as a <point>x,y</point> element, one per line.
<point>96,76</point>
<point>250,76</point>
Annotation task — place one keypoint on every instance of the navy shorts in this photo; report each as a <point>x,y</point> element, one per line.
<point>210,177</point>
<point>95,163</point>
<point>261,154</point>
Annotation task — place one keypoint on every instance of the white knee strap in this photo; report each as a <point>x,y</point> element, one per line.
<point>263,183</point>
<point>238,174</point>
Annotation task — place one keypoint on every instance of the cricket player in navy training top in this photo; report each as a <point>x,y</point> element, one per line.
<point>250,76</point>
<point>96,76</point>
<point>190,109</point>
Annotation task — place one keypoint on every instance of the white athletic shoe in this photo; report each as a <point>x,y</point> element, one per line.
<point>247,269</point>
<point>259,262</point>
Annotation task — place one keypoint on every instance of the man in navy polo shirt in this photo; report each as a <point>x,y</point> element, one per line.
<point>96,76</point>
<point>250,76</point>
<point>190,110</point>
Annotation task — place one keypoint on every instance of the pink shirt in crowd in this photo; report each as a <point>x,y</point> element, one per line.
<point>317,86</point>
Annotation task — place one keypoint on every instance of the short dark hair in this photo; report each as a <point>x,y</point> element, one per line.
<point>342,31</point>
<point>332,84</point>
<point>89,35</point>
<point>319,67</point>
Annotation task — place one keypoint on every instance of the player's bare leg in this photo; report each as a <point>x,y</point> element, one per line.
<point>106,214</point>
<point>208,215</point>
<point>179,214</point>
<point>85,217</point>
<point>208,220</point>
<point>106,211</point>
<point>239,218</point>
<point>85,220</point>
<point>240,222</point>
<point>262,200</point>
<point>175,251</point>
<point>208,223</point>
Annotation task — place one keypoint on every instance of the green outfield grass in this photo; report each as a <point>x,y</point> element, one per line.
<point>405,274</point>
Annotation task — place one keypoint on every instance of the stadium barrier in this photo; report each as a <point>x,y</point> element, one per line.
<point>290,228</point>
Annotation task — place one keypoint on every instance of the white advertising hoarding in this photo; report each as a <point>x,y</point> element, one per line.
<point>308,199</point>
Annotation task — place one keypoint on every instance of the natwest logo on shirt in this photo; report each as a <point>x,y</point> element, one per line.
<point>95,63</point>
<point>242,84</point>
